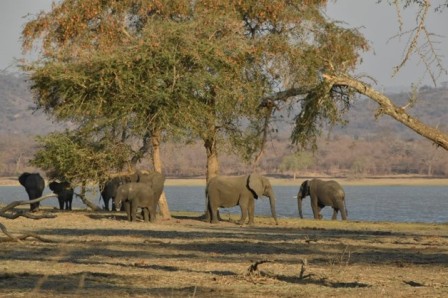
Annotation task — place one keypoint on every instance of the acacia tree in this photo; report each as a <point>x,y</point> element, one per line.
<point>70,33</point>
<point>219,64</point>
<point>240,51</point>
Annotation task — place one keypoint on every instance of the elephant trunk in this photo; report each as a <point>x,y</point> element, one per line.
<point>272,202</point>
<point>117,203</point>
<point>299,204</point>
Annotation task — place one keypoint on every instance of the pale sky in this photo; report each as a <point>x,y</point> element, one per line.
<point>378,23</point>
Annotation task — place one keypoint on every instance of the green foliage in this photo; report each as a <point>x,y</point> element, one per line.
<point>297,162</point>
<point>124,69</point>
<point>76,158</point>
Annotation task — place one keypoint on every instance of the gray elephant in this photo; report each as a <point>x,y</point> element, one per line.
<point>323,193</point>
<point>110,187</point>
<point>34,185</point>
<point>230,191</point>
<point>144,194</point>
<point>65,194</point>
<point>154,179</point>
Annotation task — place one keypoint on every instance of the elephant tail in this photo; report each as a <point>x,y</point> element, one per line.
<point>345,206</point>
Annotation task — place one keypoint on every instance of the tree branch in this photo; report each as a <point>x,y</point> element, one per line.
<point>387,107</point>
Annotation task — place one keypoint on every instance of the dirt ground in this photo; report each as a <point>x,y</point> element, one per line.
<point>100,254</point>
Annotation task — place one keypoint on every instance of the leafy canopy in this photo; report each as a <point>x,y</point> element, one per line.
<point>122,68</point>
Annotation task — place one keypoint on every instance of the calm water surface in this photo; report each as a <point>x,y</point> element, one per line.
<point>367,203</point>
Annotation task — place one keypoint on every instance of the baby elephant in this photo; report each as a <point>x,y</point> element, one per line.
<point>134,195</point>
<point>65,194</point>
<point>323,193</point>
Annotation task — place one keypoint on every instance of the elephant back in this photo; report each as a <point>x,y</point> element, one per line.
<point>32,180</point>
<point>155,180</point>
<point>23,178</point>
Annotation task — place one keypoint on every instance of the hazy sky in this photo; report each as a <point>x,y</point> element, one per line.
<point>378,23</point>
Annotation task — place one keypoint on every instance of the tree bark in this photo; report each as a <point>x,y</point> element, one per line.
<point>212,158</point>
<point>387,107</point>
<point>157,163</point>
<point>83,198</point>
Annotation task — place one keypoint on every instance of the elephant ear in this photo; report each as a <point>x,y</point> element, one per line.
<point>255,185</point>
<point>305,189</point>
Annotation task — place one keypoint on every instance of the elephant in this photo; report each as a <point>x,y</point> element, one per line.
<point>34,185</point>
<point>65,194</point>
<point>154,179</point>
<point>109,189</point>
<point>138,194</point>
<point>230,191</point>
<point>323,193</point>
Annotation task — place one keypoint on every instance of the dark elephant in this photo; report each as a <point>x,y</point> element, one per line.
<point>141,194</point>
<point>65,194</point>
<point>34,185</point>
<point>228,191</point>
<point>323,193</point>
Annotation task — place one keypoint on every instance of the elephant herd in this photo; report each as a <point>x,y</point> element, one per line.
<point>34,185</point>
<point>143,190</point>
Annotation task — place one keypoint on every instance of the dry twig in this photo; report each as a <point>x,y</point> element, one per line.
<point>253,268</point>
<point>9,213</point>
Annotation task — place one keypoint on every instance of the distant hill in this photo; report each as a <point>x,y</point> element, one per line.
<point>366,145</point>
<point>17,113</point>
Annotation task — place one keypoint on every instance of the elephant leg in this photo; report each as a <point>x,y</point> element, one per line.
<point>152,213</point>
<point>213,212</point>
<point>106,205</point>
<point>251,211</point>
<point>61,203</point>
<point>34,207</point>
<point>335,213</point>
<point>244,210</point>
<point>316,209</point>
<point>319,209</point>
<point>207,215</point>
<point>343,211</point>
<point>146,214</point>
<point>133,211</point>
<point>127,208</point>
<point>316,213</point>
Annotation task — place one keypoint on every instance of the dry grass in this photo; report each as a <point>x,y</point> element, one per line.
<point>100,254</point>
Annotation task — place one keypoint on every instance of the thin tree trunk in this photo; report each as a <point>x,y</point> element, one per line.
<point>157,163</point>
<point>83,198</point>
<point>212,158</point>
<point>387,107</point>
<point>212,166</point>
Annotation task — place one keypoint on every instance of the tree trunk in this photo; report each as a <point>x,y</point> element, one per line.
<point>387,107</point>
<point>212,167</point>
<point>212,158</point>
<point>83,198</point>
<point>157,163</point>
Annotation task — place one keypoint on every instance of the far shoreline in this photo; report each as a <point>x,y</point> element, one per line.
<point>370,181</point>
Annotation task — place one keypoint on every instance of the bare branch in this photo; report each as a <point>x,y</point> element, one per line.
<point>14,204</point>
<point>420,43</point>
<point>253,268</point>
<point>387,107</point>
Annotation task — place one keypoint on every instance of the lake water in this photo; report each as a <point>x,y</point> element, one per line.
<point>365,203</point>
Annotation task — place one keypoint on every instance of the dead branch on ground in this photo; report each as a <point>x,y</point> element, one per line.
<point>253,268</point>
<point>9,213</point>
<point>27,214</point>
<point>303,269</point>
